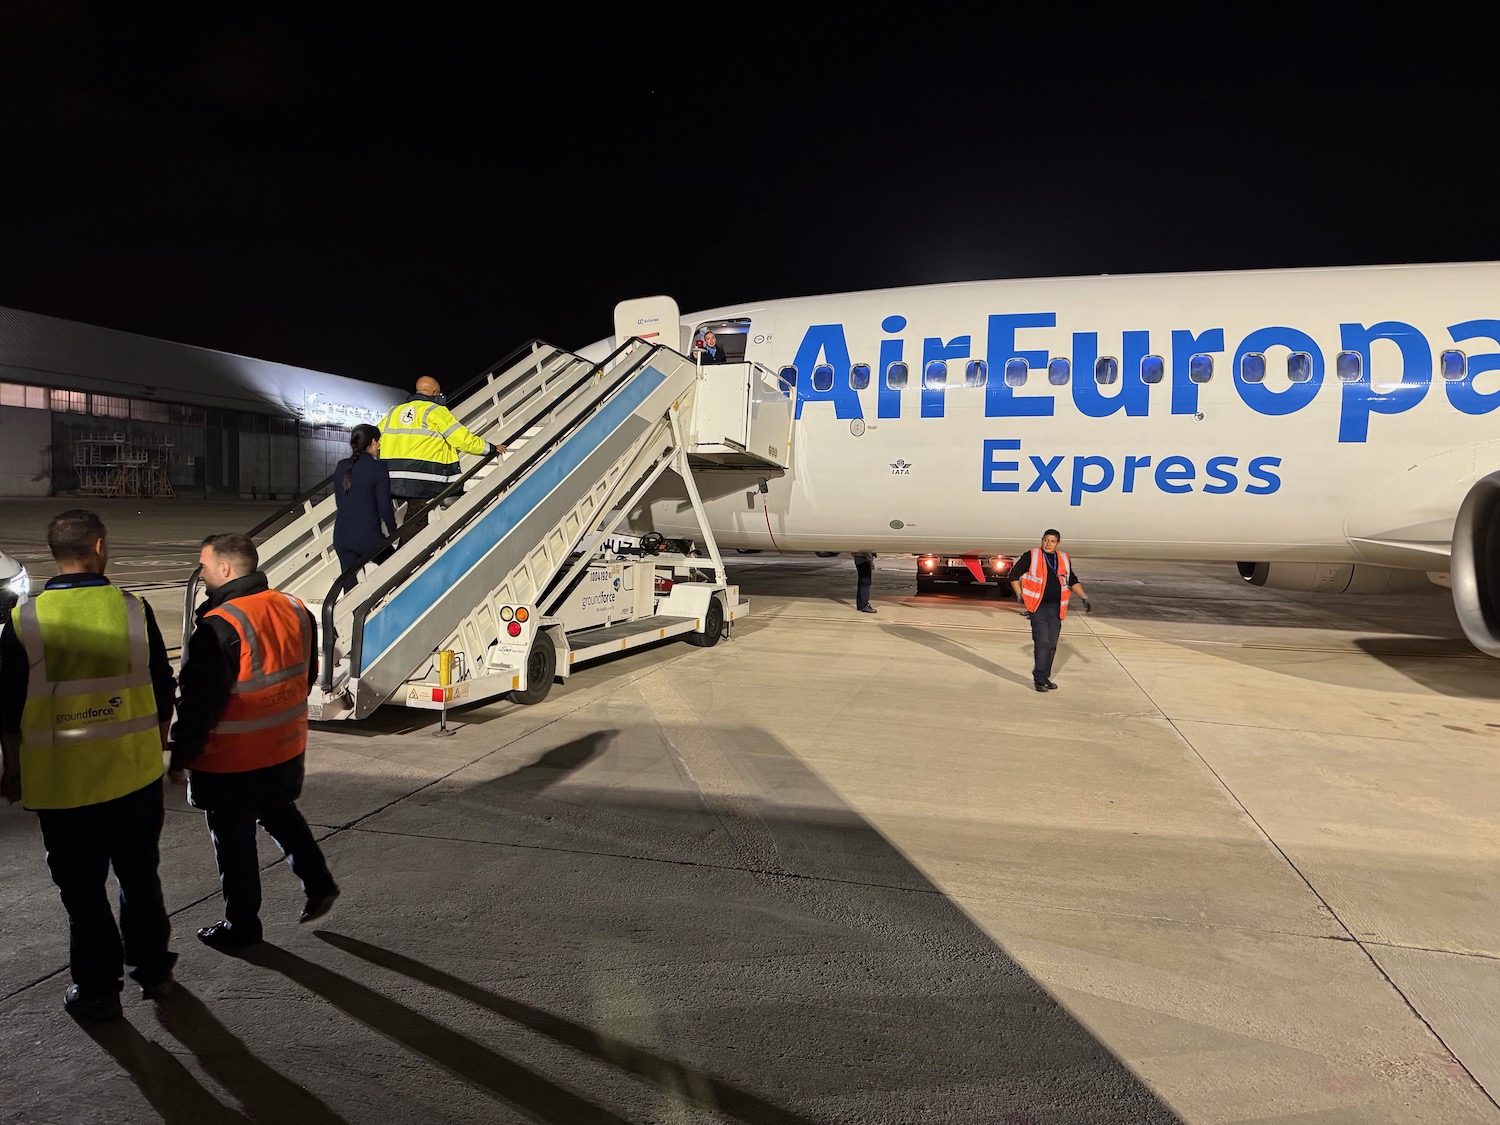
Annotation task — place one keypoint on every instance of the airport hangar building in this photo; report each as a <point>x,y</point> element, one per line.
<point>87,411</point>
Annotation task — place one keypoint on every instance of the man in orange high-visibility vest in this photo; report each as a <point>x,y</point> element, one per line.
<point>241,732</point>
<point>1042,580</point>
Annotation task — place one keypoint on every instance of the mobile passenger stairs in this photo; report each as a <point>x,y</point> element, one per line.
<point>518,577</point>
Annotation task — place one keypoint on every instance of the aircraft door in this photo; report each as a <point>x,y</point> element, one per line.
<point>653,319</point>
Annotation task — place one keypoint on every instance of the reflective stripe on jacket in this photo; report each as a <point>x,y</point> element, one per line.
<point>1034,582</point>
<point>265,721</point>
<point>420,442</point>
<point>90,728</point>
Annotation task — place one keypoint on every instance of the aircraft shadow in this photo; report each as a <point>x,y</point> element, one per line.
<point>1464,674</point>
<point>606,927</point>
<point>784,961</point>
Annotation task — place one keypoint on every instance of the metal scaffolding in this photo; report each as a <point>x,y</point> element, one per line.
<point>114,465</point>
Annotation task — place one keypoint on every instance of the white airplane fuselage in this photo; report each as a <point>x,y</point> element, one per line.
<point>1372,423</point>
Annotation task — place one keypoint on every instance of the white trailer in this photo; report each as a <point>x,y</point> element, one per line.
<point>620,601</point>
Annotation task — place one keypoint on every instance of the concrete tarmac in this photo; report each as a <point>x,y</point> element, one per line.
<point>845,868</point>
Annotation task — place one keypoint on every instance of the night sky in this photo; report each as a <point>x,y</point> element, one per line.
<point>383,194</point>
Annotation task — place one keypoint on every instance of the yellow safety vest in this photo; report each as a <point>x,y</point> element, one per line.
<point>420,442</point>
<point>89,732</point>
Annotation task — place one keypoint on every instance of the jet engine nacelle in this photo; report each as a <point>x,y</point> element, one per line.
<point>1333,578</point>
<point>1475,565</point>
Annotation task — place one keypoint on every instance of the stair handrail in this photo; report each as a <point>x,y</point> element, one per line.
<point>515,469</point>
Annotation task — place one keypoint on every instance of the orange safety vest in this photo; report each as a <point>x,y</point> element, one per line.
<point>1034,581</point>
<point>265,723</point>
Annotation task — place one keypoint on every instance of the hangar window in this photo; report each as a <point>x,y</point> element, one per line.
<point>1253,367</point>
<point>109,406</point>
<point>1106,370</point>
<point>1059,370</point>
<point>1200,367</point>
<point>977,373</point>
<point>935,375</point>
<point>1016,372</point>
<point>1299,367</point>
<point>188,415</point>
<point>1152,369</point>
<point>859,376</point>
<point>896,376</point>
<point>148,411</point>
<point>788,377</point>
<point>1349,366</point>
<point>822,377</point>
<point>70,402</point>
<point>1453,364</point>
<point>18,394</point>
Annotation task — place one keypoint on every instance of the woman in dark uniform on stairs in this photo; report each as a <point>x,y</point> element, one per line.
<point>362,488</point>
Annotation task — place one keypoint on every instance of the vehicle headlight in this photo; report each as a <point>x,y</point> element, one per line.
<point>20,584</point>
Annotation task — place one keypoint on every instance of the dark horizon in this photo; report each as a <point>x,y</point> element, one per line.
<point>382,196</point>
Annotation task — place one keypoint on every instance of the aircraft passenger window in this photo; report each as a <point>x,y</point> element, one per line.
<point>935,375</point>
<point>1058,371</point>
<point>1201,367</point>
<point>1453,364</point>
<point>1152,369</point>
<point>896,375</point>
<point>1349,366</point>
<point>1299,367</point>
<point>788,376</point>
<point>1016,372</point>
<point>859,376</point>
<point>822,377</point>
<point>977,373</point>
<point>1253,367</point>
<point>1106,370</point>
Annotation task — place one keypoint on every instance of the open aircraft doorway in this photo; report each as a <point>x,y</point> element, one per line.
<point>721,341</point>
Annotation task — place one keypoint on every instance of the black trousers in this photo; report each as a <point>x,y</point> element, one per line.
<point>83,844</point>
<point>414,525</point>
<point>1046,627</point>
<point>233,832</point>
<point>348,558</point>
<point>865,569</point>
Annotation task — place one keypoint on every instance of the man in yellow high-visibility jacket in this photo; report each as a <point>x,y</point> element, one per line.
<point>86,693</point>
<point>420,441</point>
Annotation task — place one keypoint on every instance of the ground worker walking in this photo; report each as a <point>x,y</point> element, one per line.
<point>241,731</point>
<point>1042,579</point>
<point>85,698</point>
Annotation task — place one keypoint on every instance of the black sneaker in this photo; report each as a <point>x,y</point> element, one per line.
<point>318,905</point>
<point>1040,687</point>
<point>1050,686</point>
<point>158,990</point>
<point>99,1007</point>
<point>221,935</point>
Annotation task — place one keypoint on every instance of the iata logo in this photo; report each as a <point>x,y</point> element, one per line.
<point>900,468</point>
